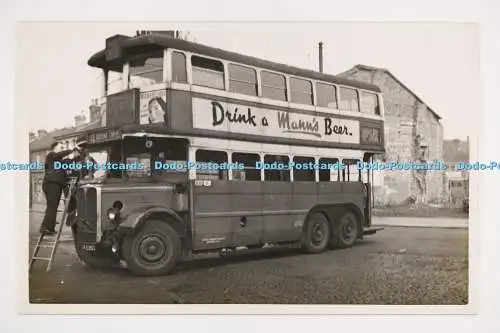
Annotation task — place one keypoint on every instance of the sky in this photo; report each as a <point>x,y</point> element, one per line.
<point>437,61</point>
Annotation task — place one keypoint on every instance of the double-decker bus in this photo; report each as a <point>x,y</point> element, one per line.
<point>206,150</point>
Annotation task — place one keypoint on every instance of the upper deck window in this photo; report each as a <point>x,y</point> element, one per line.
<point>326,95</point>
<point>369,103</point>
<point>179,73</point>
<point>349,99</point>
<point>301,91</point>
<point>114,82</point>
<point>242,80</point>
<point>146,69</point>
<point>273,86</point>
<point>207,72</point>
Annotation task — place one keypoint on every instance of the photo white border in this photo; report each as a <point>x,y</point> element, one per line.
<point>471,11</point>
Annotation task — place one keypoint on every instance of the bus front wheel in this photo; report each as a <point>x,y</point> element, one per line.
<point>316,233</point>
<point>154,250</point>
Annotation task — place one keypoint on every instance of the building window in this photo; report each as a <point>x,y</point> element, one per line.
<point>326,95</point>
<point>179,73</point>
<point>369,103</point>
<point>273,86</point>
<point>303,169</point>
<point>301,91</point>
<point>282,172</point>
<point>349,99</point>
<point>207,72</point>
<point>242,80</point>
<point>250,171</point>
<point>209,164</point>
<point>146,70</point>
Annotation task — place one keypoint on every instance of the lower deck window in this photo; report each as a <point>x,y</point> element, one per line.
<point>332,173</point>
<point>351,173</point>
<point>304,169</point>
<point>277,168</point>
<point>250,171</point>
<point>211,165</point>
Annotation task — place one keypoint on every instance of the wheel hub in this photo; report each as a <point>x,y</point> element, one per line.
<point>152,248</point>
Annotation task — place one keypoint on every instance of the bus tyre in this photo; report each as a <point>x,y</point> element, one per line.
<point>347,230</point>
<point>100,258</point>
<point>154,250</point>
<point>316,233</point>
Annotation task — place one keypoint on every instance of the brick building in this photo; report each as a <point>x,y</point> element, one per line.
<point>413,133</point>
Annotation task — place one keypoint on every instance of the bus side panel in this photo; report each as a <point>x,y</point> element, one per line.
<point>341,193</point>
<point>210,228</point>
<point>305,197</point>
<point>276,210</point>
<point>246,207</point>
<point>229,212</point>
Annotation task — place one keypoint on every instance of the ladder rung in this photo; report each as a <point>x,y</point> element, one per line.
<point>40,258</point>
<point>47,245</point>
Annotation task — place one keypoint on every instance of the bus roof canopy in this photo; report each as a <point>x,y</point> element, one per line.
<point>120,47</point>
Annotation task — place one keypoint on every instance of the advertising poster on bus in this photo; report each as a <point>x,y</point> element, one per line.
<point>153,107</point>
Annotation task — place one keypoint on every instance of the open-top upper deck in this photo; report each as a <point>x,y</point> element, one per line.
<point>197,90</point>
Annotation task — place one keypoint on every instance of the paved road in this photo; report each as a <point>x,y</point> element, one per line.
<point>397,266</point>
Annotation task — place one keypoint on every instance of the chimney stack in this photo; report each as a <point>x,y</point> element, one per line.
<point>95,111</point>
<point>42,133</point>
<point>80,120</point>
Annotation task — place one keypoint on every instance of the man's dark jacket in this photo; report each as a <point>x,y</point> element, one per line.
<point>52,175</point>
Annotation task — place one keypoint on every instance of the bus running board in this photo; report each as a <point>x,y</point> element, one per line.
<point>371,231</point>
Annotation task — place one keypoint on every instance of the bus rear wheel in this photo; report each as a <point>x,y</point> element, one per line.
<point>347,230</point>
<point>316,233</point>
<point>154,250</point>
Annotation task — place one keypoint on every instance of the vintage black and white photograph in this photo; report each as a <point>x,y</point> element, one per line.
<point>312,164</point>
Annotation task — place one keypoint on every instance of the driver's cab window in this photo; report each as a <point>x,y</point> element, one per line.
<point>170,156</point>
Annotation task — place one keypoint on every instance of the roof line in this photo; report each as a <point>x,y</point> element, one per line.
<point>388,72</point>
<point>126,44</point>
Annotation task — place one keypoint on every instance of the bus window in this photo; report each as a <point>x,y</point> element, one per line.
<point>326,95</point>
<point>242,80</point>
<point>303,169</point>
<point>172,153</point>
<point>179,73</point>
<point>114,83</point>
<point>144,159</point>
<point>349,99</point>
<point>369,103</point>
<point>279,171</point>
<point>351,173</point>
<point>273,86</point>
<point>301,91</point>
<point>332,174</point>
<point>146,69</point>
<point>250,171</point>
<point>209,165</point>
<point>207,72</point>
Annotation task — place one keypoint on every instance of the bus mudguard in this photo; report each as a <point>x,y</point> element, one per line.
<point>136,219</point>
